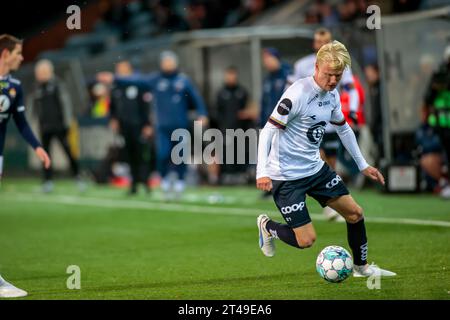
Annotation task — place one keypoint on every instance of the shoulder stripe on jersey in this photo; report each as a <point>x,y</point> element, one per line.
<point>21,109</point>
<point>339,123</point>
<point>277,123</point>
<point>14,81</point>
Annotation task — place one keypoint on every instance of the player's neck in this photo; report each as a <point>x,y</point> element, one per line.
<point>4,69</point>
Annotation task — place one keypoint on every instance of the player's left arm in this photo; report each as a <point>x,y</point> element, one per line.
<point>350,143</point>
<point>25,130</point>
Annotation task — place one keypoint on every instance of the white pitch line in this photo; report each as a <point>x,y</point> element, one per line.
<point>183,207</point>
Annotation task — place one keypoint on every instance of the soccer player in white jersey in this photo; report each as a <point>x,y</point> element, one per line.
<point>290,165</point>
<point>303,68</point>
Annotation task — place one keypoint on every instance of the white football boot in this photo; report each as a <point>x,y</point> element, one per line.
<point>371,270</point>
<point>7,290</point>
<point>266,242</point>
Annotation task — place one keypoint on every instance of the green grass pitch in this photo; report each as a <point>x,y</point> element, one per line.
<point>206,245</point>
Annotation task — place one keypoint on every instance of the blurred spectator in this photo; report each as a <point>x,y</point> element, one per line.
<point>432,160</point>
<point>274,83</point>
<point>329,16</point>
<point>376,125</point>
<point>437,107</point>
<point>231,101</point>
<point>273,86</point>
<point>100,97</point>
<point>130,116</point>
<point>52,104</point>
<point>173,95</point>
<point>115,15</point>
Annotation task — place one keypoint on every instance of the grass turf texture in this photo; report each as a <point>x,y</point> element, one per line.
<point>205,248</point>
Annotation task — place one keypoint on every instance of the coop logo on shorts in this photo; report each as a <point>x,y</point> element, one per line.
<point>316,132</point>
<point>4,103</point>
<point>294,208</point>
<point>334,182</point>
<point>284,107</point>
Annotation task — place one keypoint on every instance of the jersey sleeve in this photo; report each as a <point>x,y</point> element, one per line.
<point>21,121</point>
<point>337,117</point>
<point>284,111</point>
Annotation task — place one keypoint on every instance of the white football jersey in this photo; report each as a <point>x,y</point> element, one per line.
<point>302,113</point>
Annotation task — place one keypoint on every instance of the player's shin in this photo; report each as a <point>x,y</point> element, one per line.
<point>357,239</point>
<point>282,232</point>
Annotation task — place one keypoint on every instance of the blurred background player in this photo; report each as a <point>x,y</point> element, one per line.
<point>274,85</point>
<point>130,116</point>
<point>232,99</point>
<point>330,144</point>
<point>52,104</point>
<point>173,95</point>
<point>11,105</point>
<point>437,113</point>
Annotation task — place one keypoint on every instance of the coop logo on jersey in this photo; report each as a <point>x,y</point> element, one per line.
<point>4,103</point>
<point>284,107</point>
<point>294,208</point>
<point>324,103</point>
<point>316,132</point>
<point>334,182</point>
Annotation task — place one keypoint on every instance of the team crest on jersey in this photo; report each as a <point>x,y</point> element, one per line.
<point>284,107</point>
<point>316,132</point>
<point>5,103</point>
<point>12,93</point>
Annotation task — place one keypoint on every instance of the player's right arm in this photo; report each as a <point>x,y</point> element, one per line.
<point>263,181</point>
<point>285,111</point>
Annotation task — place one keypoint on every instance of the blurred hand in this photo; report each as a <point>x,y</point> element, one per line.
<point>105,77</point>
<point>43,156</point>
<point>354,117</point>
<point>114,125</point>
<point>204,120</point>
<point>374,174</point>
<point>147,132</point>
<point>264,184</point>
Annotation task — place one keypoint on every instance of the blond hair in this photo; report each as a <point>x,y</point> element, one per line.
<point>334,53</point>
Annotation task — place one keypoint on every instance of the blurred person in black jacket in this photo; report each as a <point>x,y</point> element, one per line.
<point>231,101</point>
<point>130,116</point>
<point>52,104</point>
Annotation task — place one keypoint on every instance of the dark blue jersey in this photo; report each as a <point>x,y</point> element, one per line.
<point>11,105</point>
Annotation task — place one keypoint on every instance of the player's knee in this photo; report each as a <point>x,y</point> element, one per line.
<point>355,215</point>
<point>306,242</point>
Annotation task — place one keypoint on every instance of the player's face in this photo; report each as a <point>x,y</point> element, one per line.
<point>270,62</point>
<point>168,65</point>
<point>44,73</point>
<point>231,78</point>
<point>326,77</point>
<point>124,69</point>
<point>15,58</point>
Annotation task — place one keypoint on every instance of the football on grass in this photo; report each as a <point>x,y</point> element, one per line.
<point>334,264</point>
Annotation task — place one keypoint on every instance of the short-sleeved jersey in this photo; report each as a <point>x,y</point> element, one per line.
<point>302,113</point>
